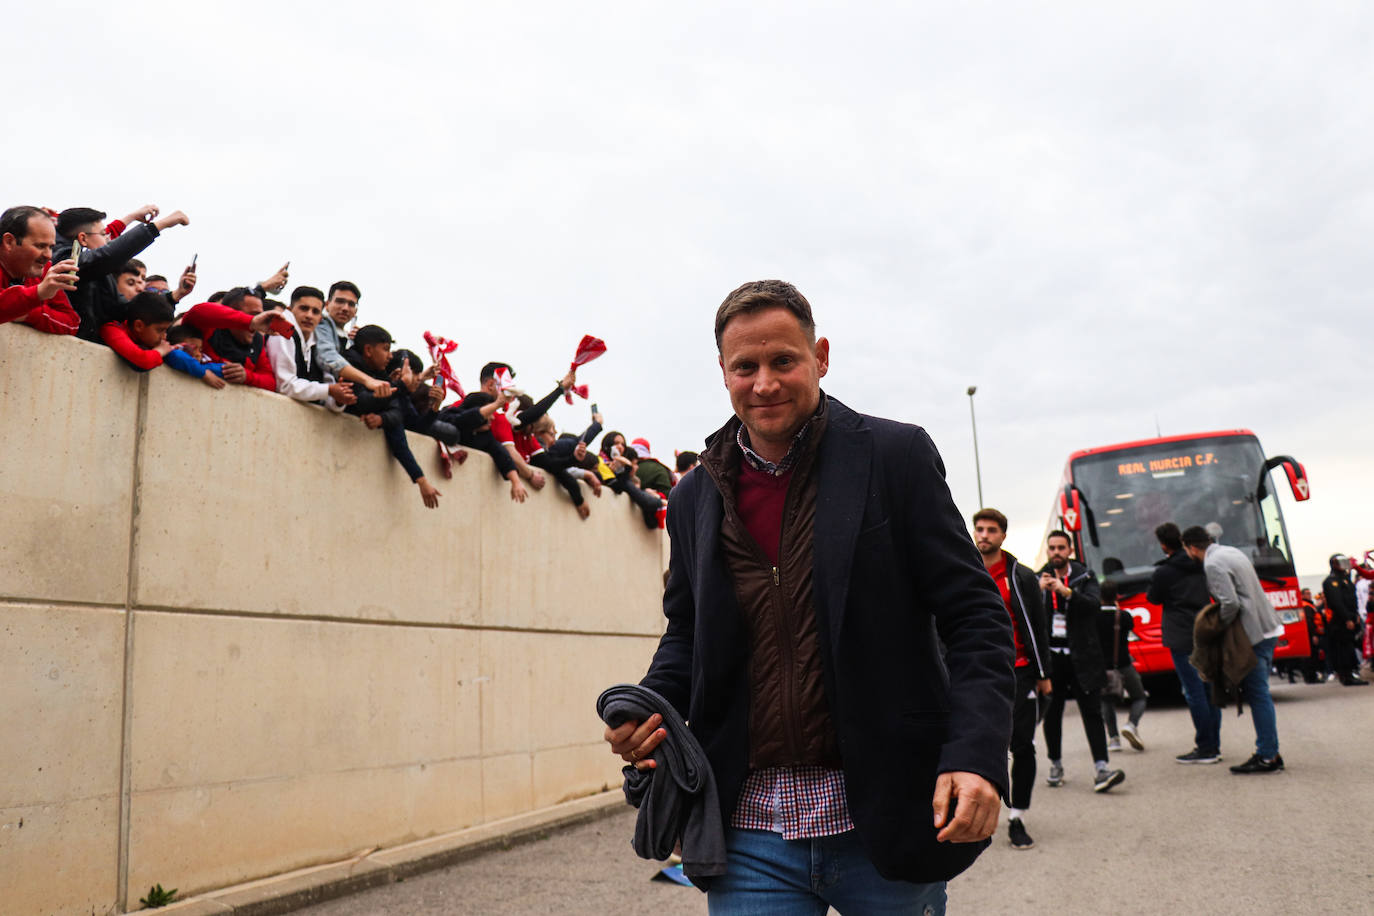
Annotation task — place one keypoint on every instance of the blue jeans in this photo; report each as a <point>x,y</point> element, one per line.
<point>1206,717</point>
<point>766,874</point>
<point>1255,690</point>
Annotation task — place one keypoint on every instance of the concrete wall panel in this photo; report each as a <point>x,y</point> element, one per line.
<point>543,686</point>
<point>201,838</point>
<point>601,575</point>
<point>564,773</point>
<point>61,689</point>
<point>306,513</point>
<point>507,786</point>
<point>60,859</point>
<point>224,699</point>
<point>70,413</point>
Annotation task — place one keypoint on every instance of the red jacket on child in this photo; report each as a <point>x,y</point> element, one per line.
<point>117,338</point>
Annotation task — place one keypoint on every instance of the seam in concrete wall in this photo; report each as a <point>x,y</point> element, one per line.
<point>131,583</point>
<point>375,622</point>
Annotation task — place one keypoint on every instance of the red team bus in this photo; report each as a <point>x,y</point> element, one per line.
<point>1112,498</point>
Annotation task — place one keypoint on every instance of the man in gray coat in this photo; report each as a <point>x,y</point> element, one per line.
<point>1235,586</point>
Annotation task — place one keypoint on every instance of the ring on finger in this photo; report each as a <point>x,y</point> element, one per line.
<point>634,755</point>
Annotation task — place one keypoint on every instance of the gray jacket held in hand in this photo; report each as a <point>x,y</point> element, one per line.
<point>677,798</point>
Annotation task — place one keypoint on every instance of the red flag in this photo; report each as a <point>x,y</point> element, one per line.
<point>589,349</point>
<point>439,349</point>
<point>580,390</point>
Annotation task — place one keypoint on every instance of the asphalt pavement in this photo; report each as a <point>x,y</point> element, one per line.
<point>1170,839</point>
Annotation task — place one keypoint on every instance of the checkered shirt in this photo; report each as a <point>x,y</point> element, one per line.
<point>798,802</point>
<point>794,451</point>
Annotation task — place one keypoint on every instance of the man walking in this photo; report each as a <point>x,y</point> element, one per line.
<point>1077,666</point>
<point>818,567</point>
<point>1232,580</point>
<point>1031,637</point>
<point>1339,592</point>
<point>1179,587</point>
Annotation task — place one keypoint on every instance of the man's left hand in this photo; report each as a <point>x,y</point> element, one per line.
<point>975,804</point>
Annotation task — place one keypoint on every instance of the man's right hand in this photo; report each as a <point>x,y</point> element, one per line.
<point>379,388</point>
<point>61,278</point>
<point>372,420</point>
<point>634,742</point>
<point>342,393</point>
<point>1044,687</point>
<point>262,322</point>
<point>235,374</point>
<point>517,491</point>
<point>186,285</point>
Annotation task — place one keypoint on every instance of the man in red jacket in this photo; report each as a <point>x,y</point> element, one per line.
<point>233,335</point>
<point>30,290</point>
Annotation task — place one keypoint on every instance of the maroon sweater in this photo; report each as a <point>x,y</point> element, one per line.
<point>759,498</point>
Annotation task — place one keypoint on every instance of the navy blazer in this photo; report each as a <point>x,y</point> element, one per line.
<point>916,644</point>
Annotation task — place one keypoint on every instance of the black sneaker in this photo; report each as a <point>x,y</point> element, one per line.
<point>1105,779</point>
<point>1197,756</point>
<point>1020,839</point>
<point>1257,764</point>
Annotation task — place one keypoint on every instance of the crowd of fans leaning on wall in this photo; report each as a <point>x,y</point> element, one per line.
<point>75,272</point>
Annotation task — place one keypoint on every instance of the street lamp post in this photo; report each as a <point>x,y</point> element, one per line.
<point>977,466</point>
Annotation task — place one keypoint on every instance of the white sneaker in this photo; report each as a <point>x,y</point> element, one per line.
<point>1113,744</point>
<point>1132,734</point>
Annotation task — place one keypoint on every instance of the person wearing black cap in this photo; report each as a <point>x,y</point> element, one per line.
<point>1340,598</point>
<point>370,354</point>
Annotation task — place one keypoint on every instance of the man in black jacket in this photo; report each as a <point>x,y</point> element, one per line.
<point>1078,668</point>
<point>818,567</point>
<point>96,297</point>
<point>371,355</point>
<point>1021,595</point>
<point>1179,586</point>
<point>1339,592</point>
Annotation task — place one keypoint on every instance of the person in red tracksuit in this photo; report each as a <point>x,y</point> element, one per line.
<point>141,339</point>
<point>31,291</point>
<point>233,332</point>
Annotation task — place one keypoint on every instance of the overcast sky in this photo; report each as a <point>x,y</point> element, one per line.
<point>1106,217</point>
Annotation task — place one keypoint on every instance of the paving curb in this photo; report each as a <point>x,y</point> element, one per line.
<point>293,890</point>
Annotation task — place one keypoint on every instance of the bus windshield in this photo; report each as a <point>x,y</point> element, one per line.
<point>1213,482</point>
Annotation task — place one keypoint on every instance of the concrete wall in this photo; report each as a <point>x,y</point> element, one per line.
<point>233,642</point>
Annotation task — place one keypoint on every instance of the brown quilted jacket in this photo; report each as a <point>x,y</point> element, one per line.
<point>789,717</point>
